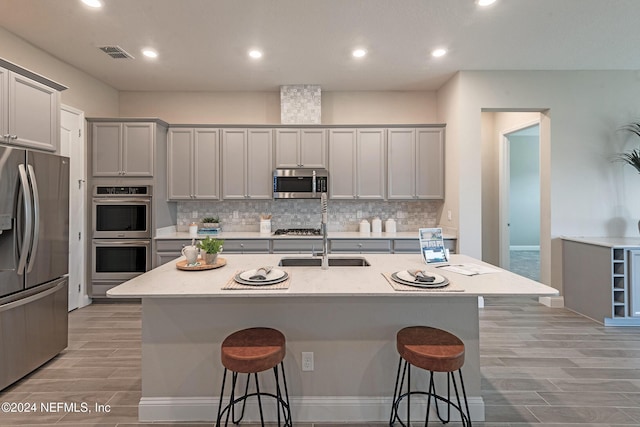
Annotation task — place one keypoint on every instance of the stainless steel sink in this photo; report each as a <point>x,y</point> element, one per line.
<point>316,262</point>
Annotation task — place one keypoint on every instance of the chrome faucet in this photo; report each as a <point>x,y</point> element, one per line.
<point>323,228</point>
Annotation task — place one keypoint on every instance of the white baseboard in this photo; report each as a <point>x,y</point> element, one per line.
<point>553,302</point>
<point>304,409</point>
<point>481,302</point>
<point>524,248</point>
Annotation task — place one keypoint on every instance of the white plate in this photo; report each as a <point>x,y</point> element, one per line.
<point>260,282</point>
<point>406,276</point>
<point>274,274</point>
<point>425,285</point>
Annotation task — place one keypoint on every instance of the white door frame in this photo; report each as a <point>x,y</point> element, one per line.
<point>77,204</point>
<point>504,187</point>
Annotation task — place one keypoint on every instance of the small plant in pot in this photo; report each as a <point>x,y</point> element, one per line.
<point>210,248</point>
<point>210,222</point>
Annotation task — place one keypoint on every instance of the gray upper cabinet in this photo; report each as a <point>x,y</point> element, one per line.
<point>357,163</point>
<point>29,112</point>
<point>416,163</point>
<point>301,148</point>
<point>193,164</point>
<point>123,149</point>
<point>247,164</point>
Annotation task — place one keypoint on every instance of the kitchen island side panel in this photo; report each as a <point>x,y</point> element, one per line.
<point>587,276</point>
<point>352,338</point>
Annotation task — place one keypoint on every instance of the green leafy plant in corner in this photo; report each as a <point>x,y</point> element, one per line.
<point>631,157</point>
<point>211,246</point>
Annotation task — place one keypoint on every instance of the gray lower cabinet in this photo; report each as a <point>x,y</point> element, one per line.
<point>357,164</point>
<point>403,246</point>
<point>167,250</point>
<point>193,164</point>
<point>415,159</point>
<point>247,164</point>
<point>123,148</point>
<point>170,249</point>
<point>605,287</point>
<point>360,246</point>
<point>238,246</point>
<point>297,246</point>
<point>29,111</point>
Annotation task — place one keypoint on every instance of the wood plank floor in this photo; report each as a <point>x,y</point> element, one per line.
<point>540,367</point>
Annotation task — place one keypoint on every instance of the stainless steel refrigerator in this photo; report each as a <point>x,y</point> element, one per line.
<point>34,258</point>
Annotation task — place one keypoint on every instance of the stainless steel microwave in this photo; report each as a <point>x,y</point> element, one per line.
<point>300,183</point>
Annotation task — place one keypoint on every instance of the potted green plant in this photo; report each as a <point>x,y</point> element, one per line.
<point>631,157</point>
<point>210,248</point>
<point>210,222</point>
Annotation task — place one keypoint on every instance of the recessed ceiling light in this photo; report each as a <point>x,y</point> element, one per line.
<point>255,54</point>
<point>439,52</point>
<point>149,53</point>
<point>485,2</point>
<point>93,3</point>
<point>359,53</point>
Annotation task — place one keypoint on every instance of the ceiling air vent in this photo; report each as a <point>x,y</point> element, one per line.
<point>116,52</point>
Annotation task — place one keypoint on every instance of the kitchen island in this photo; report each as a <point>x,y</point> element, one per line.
<point>346,316</point>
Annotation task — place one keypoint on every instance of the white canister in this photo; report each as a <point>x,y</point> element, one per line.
<point>365,227</point>
<point>193,230</point>
<point>265,226</point>
<point>390,226</point>
<point>376,225</point>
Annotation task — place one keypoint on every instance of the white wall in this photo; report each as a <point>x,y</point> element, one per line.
<point>264,107</point>
<point>85,93</point>
<point>589,195</point>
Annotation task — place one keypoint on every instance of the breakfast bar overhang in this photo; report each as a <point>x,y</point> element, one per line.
<point>346,316</point>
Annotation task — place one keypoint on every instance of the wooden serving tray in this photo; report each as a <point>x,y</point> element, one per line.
<point>182,265</point>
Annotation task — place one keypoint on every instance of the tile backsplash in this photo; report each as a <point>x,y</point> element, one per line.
<point>344,215</point>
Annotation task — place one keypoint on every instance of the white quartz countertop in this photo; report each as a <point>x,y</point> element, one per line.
<point>167,281</point>
<point>408,235</point>
<point>610,242</point>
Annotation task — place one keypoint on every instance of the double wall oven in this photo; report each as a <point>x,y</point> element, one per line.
<point>121,235</point>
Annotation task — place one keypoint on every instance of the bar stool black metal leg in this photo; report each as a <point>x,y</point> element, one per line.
<point>408,394</point>
<point>432,392</point>
<point>395,394</point>
<point>224,378</point>
<point>244,402</point>
<point>464,395</point>
<point>289,420</point>
<point>398,392</point>
<point>259,400</point>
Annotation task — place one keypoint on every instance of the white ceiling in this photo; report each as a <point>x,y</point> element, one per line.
<point>203,44</point>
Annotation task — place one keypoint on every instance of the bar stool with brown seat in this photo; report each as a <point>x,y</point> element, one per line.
<point>251,351</point>
<point>433,350</point>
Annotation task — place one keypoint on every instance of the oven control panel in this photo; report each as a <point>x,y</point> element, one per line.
<point>140,190</point>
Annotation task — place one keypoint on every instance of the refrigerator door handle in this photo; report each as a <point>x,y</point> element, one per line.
<point>26,196</point>
<point>36,217</point>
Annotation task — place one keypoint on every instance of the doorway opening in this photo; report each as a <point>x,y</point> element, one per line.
<point>516,228</point>
<point>521,250</point>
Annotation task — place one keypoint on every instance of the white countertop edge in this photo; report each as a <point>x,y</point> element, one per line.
<point>167,281</point>
<point>609,242</point>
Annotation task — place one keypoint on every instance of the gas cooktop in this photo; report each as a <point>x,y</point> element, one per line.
<point>297,232</point>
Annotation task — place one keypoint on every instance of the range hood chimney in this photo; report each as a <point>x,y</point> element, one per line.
<point>300,105</point>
